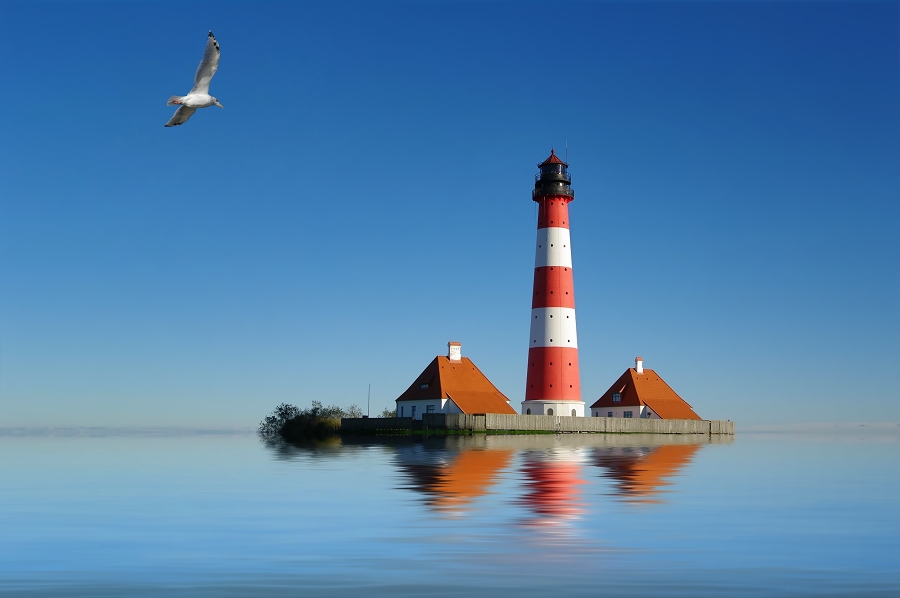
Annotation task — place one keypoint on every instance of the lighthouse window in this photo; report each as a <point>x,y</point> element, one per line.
<point>617,397</point>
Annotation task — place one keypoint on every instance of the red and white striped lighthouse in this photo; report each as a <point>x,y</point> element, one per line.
<point>553,386</point>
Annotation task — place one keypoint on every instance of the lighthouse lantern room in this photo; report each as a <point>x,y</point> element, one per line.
<point>553,384</point>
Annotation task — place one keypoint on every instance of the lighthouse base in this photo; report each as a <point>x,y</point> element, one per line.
<point>550,407</point>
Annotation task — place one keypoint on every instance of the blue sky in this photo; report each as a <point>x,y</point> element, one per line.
<point>364,197</point>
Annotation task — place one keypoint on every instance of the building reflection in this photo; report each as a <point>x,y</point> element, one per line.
<point>452,473</point>
<point>453,478</point>
<point>641,473</point>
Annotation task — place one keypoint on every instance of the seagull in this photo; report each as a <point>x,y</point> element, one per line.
<point>199,96</point>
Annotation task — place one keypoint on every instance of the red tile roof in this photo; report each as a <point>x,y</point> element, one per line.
<point>647,389</point>
<point>461,382</point>
<point>553,159</point>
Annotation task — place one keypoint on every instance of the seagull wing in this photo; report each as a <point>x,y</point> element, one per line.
<point>181,116</point>
<point>208,66</point>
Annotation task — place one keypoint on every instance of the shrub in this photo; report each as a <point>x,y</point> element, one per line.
<point>292,423</point>
<point>272,425</point>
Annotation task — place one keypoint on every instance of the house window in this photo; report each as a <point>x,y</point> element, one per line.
<point>402,409</point>
<point>414,412</point>
<point>617,397</point>
<point>627,413</point>
<point>423,385</point>
<point>429,409</point>
<point>609,414</point>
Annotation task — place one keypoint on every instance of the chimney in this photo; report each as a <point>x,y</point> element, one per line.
<point>454,351</point>
<point>639,364</point>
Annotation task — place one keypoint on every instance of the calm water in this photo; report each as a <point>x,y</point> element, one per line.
<point>210,515</point>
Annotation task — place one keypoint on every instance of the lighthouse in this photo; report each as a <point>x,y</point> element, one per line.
<point>552,385</point>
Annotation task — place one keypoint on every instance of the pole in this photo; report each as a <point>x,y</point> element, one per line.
<point>368,401</point>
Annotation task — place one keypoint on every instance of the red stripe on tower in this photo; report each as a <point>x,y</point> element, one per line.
<point>553,385</point>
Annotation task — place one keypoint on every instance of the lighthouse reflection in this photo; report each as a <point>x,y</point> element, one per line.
<point>553,489</point>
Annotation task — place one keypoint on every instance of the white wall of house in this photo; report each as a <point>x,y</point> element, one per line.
<point>641,411</point>
<point>415,409</point>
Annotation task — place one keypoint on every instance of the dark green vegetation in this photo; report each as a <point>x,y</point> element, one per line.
<point>295,424</point>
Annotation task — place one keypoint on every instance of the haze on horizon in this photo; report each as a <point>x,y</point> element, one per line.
<point>735,218</point>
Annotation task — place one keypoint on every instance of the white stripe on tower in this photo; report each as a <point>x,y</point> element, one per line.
<point>553,327</point>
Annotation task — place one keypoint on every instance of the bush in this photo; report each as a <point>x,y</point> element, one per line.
<point>389,413</point>
<point>272,425</point>
<point>292,423</point>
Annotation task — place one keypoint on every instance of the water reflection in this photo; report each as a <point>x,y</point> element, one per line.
<point>552,486</point>
<point>641,473</point>
<point>452,471</point>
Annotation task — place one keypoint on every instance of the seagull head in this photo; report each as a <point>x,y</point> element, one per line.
<point>216,100</point>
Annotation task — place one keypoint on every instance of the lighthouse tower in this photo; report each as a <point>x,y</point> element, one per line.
<point>552,386</point>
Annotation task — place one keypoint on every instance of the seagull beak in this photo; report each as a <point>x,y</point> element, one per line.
<point>219,105</point>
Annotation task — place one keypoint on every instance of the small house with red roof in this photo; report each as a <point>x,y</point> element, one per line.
<point>452,384</point>
<point>641,393</point>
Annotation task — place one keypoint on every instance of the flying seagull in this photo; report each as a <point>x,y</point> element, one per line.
<point>199,96</point>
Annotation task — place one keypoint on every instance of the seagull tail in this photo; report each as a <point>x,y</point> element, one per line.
<point>174,100</point>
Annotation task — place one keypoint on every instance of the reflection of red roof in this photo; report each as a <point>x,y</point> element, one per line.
<point>647,389</point>
<point>553,159</point>
<point>641,477</point>
<point>461,382</point>
<point>468,476</point>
